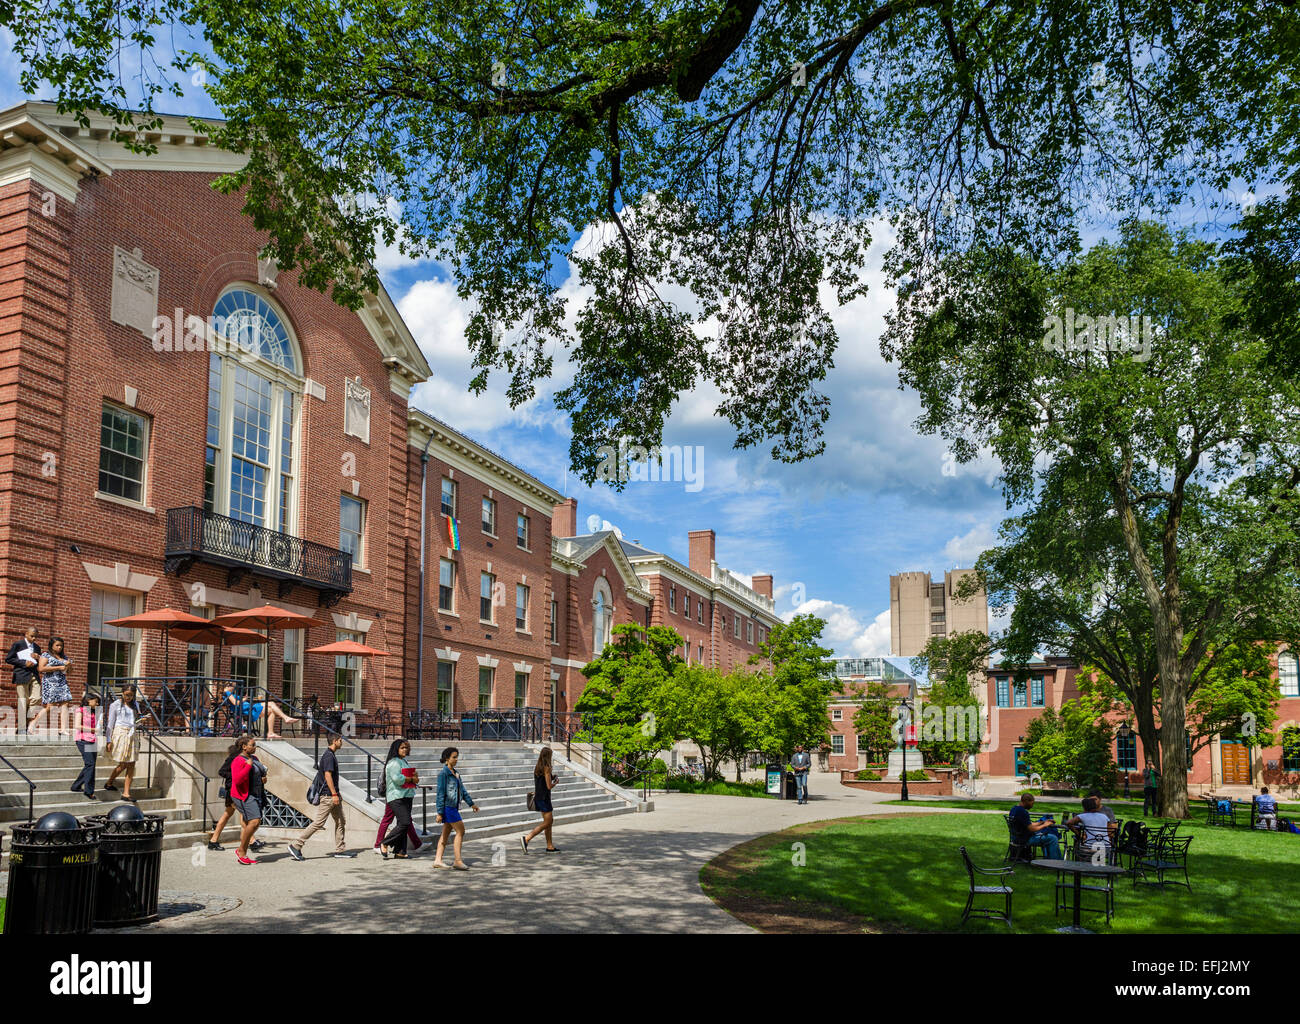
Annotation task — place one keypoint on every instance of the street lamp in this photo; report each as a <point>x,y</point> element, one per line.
<point>904,721</point>
<point>1124,732</point>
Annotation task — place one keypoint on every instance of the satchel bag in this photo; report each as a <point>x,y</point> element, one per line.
<point>532,801</point>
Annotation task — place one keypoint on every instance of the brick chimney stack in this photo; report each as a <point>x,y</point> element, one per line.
<point>564,518</point>
<point>703,545</point>
<point>763,585</point>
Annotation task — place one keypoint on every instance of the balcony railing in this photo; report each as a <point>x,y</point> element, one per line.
<point>194,535</point>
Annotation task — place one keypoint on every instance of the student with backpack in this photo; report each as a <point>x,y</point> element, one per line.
<point>451,791</point>
<point>324,795</point>
<point>401,780</point>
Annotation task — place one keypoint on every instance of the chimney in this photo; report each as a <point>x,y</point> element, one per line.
<point>763,585</point>
<point>564,518</point>
<point>702,551</point>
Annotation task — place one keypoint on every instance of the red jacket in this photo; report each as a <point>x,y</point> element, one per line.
<point>240,769</point>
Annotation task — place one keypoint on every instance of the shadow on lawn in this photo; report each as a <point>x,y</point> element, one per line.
<point>906,873</point>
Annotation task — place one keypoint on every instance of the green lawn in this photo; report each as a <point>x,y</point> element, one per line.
<point>905,872</point>
<point>1123,808</point>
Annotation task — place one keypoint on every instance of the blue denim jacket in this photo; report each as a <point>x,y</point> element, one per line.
<point>451,790</point>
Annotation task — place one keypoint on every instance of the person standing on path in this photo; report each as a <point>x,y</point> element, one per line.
<point>1150,788</point>
<point>55,691</point>
<point>246,789</point>
<point>401,781</point>
<point>85,734</point>
<point>123,716</point>
<point>24,655</point>
<point>543,783</point>
<point>330,805</point>
<point>801,762</point>
<point>214,840</point>
<point>451,791</point>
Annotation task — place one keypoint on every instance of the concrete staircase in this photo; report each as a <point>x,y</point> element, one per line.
<point>53,766</point>
<point>499,776</point>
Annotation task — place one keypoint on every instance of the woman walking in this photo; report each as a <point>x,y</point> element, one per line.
<point>246,773</point>
<point>451,791</point>
<point>385,823</point>
<point>543,783</point>
<point>401,780</point>
<point>84,732</point>
<point>123,715</point>
<point>55,691</point>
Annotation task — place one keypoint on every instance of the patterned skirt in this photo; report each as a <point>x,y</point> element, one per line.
<point>55,689</point>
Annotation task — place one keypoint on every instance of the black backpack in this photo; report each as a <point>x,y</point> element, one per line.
<point>224,773</point>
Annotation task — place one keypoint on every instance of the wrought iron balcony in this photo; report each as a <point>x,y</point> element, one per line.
<point>194,535</point>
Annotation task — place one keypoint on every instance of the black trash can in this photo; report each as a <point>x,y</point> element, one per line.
<point>130,863</point>
<point>470,727</point>
<point>52,869</point>
<point>791,790</point>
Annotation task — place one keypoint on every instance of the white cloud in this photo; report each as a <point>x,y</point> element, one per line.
<point>964,550</point>
<point>845,631</point>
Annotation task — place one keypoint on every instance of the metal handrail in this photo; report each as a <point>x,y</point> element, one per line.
<point>192,766</point>
<point>201,691</point>
<point>301,712</point>
<point>31,787</point>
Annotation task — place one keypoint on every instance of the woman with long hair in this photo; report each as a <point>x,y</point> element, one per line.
<point>123,747</point>
<point>85,733</point>
<point>214,840</point>
<point>451,791</point>
<point>543,783</point>
<point>55,691</point>
<point>400,779</point>
<point>246,774</point>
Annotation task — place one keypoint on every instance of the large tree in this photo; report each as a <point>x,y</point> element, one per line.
<point>742,152</point>
<point>1168,461</point>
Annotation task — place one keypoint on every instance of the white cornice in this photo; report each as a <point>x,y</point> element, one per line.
<point>650,565</point>
<point>470,457</point>
<point>30,148</point>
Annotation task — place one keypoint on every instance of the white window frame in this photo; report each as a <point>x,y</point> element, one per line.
<point>489,503</point>
<point>146,433</point>
<point>359,556</point>
<point>527,595</point>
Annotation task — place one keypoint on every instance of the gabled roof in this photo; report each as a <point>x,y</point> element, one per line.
<point>581,547</point>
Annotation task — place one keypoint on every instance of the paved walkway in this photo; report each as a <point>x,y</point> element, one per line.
<point>632,873</point>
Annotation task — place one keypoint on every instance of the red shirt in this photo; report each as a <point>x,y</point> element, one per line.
<point>240,768</point>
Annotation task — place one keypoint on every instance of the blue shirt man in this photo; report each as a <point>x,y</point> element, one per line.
<point>1039,833</point>
<point>801,762</point>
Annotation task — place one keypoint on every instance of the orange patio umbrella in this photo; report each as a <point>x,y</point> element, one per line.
<point>267,617</point>
<point>165,619</point>
<point>349,647</point>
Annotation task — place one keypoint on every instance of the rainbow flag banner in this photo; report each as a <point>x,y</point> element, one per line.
<point>453,533</point>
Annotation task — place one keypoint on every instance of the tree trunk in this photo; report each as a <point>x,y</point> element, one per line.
<point>1173,732</point>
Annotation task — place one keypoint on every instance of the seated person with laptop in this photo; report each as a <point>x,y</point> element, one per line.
<point>1042,833</point>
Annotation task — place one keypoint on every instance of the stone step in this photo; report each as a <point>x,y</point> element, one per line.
<point>79,806</point>
<point>28,763</point>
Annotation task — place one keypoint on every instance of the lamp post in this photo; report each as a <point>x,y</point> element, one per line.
<point>904,721</point>
<point>1124,732</point>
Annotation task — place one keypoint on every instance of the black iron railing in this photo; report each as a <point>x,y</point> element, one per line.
<point>195,772</point>
<point>194,535</point>
<point>31,787</point>
<point>182,705</point>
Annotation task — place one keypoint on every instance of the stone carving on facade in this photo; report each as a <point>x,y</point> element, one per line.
<point>356,410</point>
<point>134,301</point>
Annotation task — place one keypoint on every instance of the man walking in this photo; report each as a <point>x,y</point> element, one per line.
<point>329,805</point>
<point>23,656</point>
<point>801,762</point>
<point>1150,787</point>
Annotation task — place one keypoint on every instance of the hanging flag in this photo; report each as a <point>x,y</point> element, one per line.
<point>453,533</point>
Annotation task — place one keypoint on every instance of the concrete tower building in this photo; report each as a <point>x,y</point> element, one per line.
<point>921,608</point>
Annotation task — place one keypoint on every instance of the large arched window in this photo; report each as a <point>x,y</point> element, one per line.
<point>602,602</point>
<point>254,396</point>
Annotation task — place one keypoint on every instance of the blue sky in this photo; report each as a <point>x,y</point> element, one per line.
<point>880,500</point>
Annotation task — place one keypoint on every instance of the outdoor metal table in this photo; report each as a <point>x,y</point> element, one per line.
<point>1078,868</point>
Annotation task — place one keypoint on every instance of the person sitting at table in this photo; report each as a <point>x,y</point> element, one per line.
<point>1101,805</point>
<point>1096,827</point>
<point>252,711</point>
<point>1042,833</point>
<point>1266,809</point>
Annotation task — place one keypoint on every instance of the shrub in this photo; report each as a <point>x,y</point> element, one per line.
<point>868,776</point>
<point>917,776</point>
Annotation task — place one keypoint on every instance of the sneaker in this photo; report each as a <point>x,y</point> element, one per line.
<point>110,787</point>
<point>257,844</point>
<point>216,846</point>
<point>378,851</point>
<point>341,856</point>
<point>245,860</point>
<point>91,796</point>
<point>295,853</point>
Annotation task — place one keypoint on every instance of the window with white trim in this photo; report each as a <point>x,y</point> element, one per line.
<point>123,453</point>
<point>521,607</point>
<point>446,683</point>
<point>485,584</point>
<point>112,648</point>
<point>837,743</point>
<point>446,585</point>
<point>489,516</point>
<point>352,528</point>
<point>1288,679</point>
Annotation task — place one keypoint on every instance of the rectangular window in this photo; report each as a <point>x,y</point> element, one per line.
<point>1287,678</point>
<point>1126,752</point>
<point>291,672</point>
<point>446,676</point>
<point>352,527</point>
<point>123,440</point>
<point>700,660</point>
<point>112,649</point>
<point>1021,692</point>
<point>521,689</point>
<point>521,531</point>
<point>1036,692</point>
<point>555,623</point>
<point>1004,692</point>
<point>1291,750</point>
<point>485,583</point>
<point>446,585</point>
<point>484,687</point>
<point>735,626</point>
<point>490,516</point>
<point>672,599</point>
<point>347,672</point>
<point>837,743</point>
<point>448,497</point>
<point>214,434</point>
<point>749,631</point>
<point>286,465</point>
<point>837,714</point>
<point>521,607</point>
<point>699,611</point>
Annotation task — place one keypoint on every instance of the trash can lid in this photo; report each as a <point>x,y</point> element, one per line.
<point>126,812</point>
<point>57,821</point>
